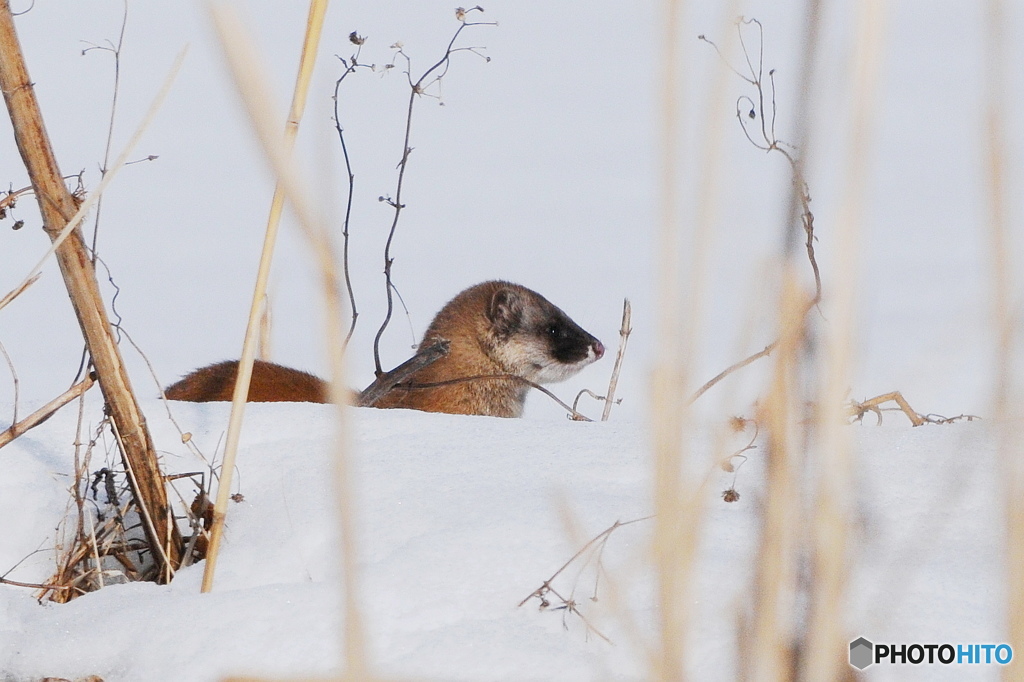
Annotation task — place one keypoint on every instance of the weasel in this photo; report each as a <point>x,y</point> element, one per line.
<point>495,329</point>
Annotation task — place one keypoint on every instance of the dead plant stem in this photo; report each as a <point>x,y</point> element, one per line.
<point>45,412</point>
<point>416,89</point>
<point>624,331</point>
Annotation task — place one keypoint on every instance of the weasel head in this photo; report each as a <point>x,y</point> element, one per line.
<point>534,339</point>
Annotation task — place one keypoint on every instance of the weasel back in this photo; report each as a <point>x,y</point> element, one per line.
<point>270,383</point>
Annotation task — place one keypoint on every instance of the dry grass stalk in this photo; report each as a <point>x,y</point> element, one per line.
<point>859,410</point>
<point>386,382</point>
<point>1009,415</point>
<point>678,496</point>
<point>45,412</point>
<point>263,345</point>
<point>17,384</point>
<point>667,385</point>
<point>624,331</point>
<point>57,207</point>
<point>826,639</point>
<point>768,655</point>
<point>83,208</point>
<point>417,88</point>
<point>249,79</point>
<point>317,9</point>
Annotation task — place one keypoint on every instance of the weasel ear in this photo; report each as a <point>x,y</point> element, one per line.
<point>506,310</point>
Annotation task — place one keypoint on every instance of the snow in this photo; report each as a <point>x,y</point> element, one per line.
<point>460,519</point>
<point>541,168</point>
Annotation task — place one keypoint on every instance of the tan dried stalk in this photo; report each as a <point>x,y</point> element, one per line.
<point>45,412</point>
<point>827,641</point>
<point>314,24</point>
<point>624,331</point>
<point>768,655</point>
<point>57,207</point>
<point>1009,416</point>
<point>251,83</point>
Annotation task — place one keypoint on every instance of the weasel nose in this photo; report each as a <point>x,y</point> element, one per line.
<point>598,349</point>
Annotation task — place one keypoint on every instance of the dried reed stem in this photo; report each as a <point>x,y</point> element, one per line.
<point>1009,416</point>
<point>768,653</point>
<point>827,639</point>
<point>317,9</point>
<point>94,196</point>
<point>58,209</point>
<point>624,331</point>
<point>45,412</point>
<point>667,383</point>
<point>242,58</point>
<point>17,383</point>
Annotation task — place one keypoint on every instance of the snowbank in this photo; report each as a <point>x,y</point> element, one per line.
<point>461,518</point>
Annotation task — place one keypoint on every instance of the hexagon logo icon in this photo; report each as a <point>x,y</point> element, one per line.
<point>861,651</point>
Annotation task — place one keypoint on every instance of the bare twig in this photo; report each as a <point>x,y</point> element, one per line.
<point>45,412</point>
<point>766,140</point>
<point>586,391</point>
<point>350,67</point>
<point>35,586</point>
<point>569,603</point>
<point>115,50</point>
<point>14,378</point>
<point>417,88</point>
<point>573,414</point>
<point>858,410</point>
<point>624,331</point>
<point>384,383</point>
<point>12,197</point>
<point>732,368</point>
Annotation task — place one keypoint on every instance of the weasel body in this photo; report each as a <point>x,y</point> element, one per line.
<point>495,329</point>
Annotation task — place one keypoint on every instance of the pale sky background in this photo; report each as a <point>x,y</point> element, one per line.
<point>541,168</point>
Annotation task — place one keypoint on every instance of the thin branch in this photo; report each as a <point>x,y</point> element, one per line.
<point>35,586</point>
<point>573,414</point>
<point>386,382</point>
<point>747,108</point>
<point>350,67</point>
<point>624,331</point>
<point>586,391</point>
<point>732,368</point>
<point>416,88</point>
<point>14,377</point>
<point>46,411</point>
<point>116,51</point>
<point>546,586</point>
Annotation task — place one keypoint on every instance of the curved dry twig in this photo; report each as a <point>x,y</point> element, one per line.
<point>350,68</point>
<point>416,88</point>
<point>573,413</point>
<point>46,411</point>
<point>749,109</point>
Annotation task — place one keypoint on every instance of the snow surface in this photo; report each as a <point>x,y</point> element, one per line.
<point>461,518</point>
<point>541,168</point>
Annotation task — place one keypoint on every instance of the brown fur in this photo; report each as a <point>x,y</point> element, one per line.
<point>494,328</point>
<point>270,383</point>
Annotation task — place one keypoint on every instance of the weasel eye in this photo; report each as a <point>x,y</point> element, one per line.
<point>553,330</point>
